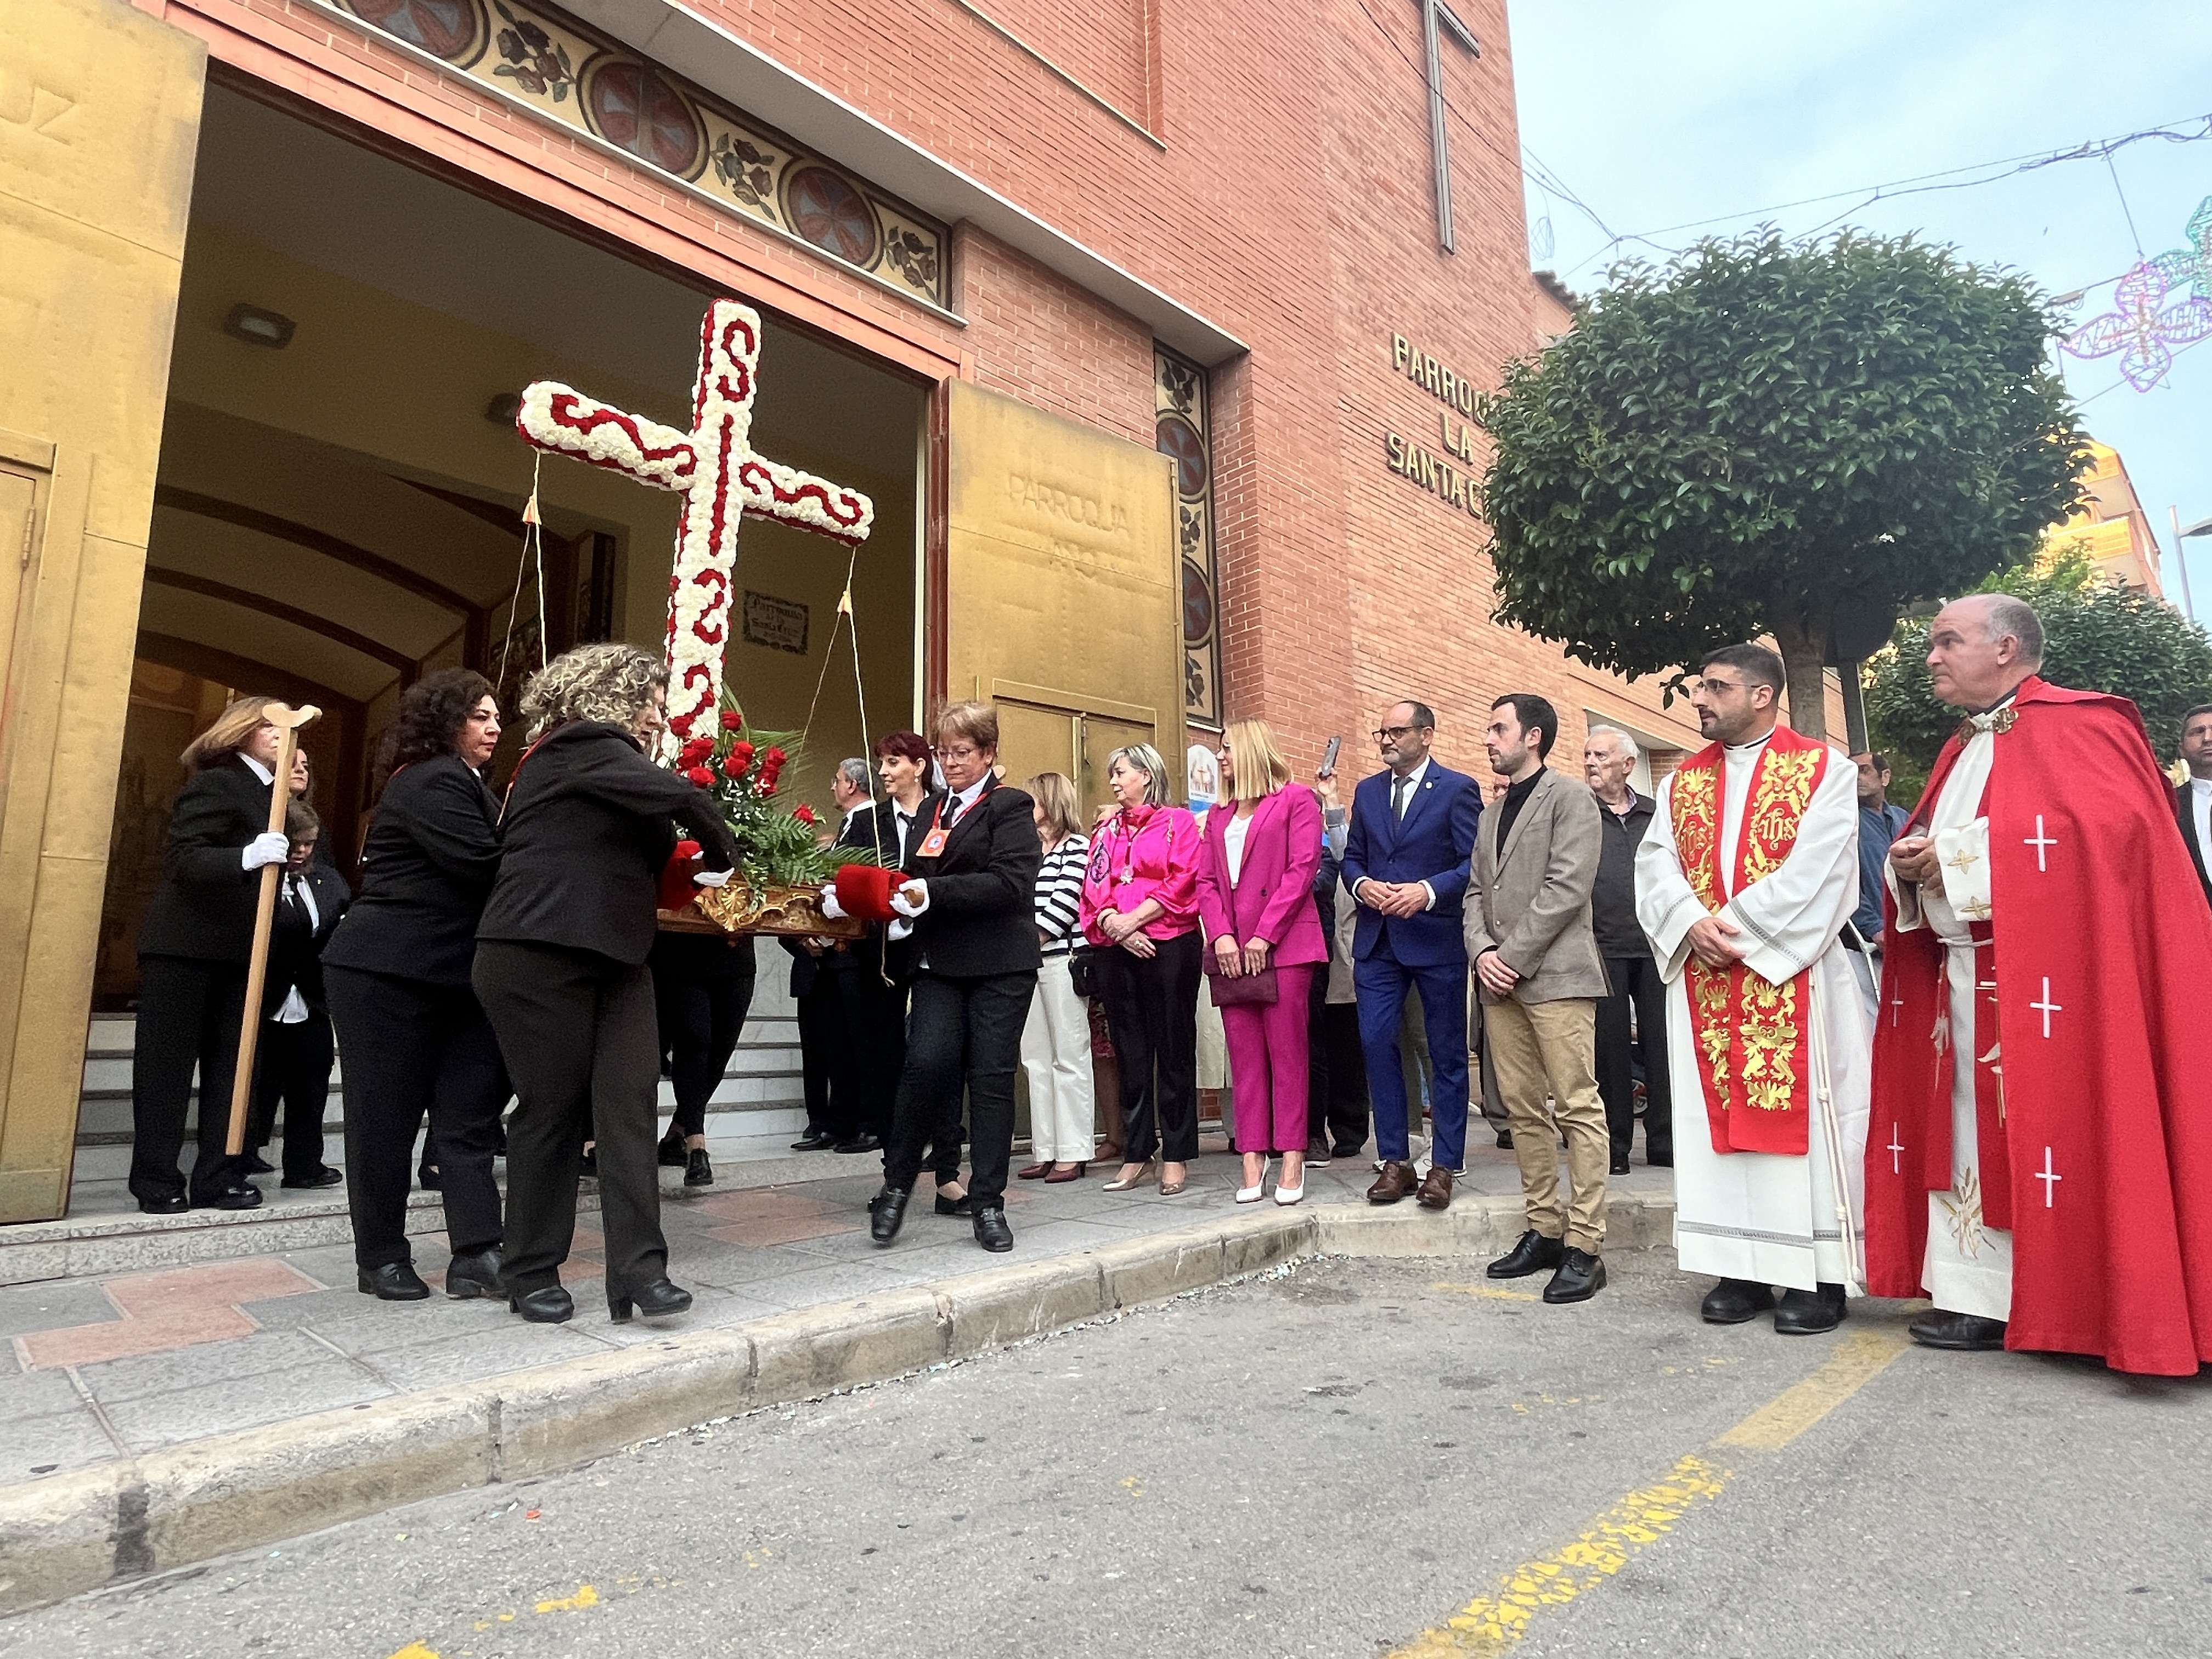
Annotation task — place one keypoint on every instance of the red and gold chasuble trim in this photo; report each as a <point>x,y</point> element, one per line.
<point>1754,1051</point>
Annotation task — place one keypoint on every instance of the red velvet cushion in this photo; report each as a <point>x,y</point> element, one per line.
<point>865,891</point>
<point>676,884</point>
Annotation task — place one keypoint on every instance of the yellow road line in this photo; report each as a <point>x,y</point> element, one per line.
<point>1491,1624</point>
<point>1492,1293</point>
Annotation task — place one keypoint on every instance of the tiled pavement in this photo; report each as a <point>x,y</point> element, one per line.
<point>94,1368</point>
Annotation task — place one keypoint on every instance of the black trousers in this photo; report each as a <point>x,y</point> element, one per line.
<point>825,1057</point>
<point>412,1048</point>
<point>875,1022</point>
<point>188,1016</point>
<point>700,1018</point>
<point>1151,1009</point>
<point>1637,979</point>
<point>581,1039</point>
<point>293,1070</point>
<point>960,1031</point>
<point>1336,1072</point>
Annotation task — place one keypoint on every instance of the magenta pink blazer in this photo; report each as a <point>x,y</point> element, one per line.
<point>1272,898</point>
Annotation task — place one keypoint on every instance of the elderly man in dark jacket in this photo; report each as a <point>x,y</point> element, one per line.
<point>1608,756</point>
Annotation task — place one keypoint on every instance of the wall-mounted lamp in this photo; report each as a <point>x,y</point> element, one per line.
<point>502,408</point>
<point>257,325</point>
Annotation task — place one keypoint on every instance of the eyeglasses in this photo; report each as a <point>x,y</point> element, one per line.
<point>959,753</point>
<point>1392,733</point>
<point>1707,683</point>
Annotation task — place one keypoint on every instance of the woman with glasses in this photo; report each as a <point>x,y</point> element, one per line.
<point>1140,909</point>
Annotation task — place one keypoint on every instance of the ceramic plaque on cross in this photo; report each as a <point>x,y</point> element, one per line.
<point>713,467</point>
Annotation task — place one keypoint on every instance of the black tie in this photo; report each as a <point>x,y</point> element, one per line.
<point>1398,798</point>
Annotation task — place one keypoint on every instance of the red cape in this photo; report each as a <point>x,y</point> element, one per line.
<point>2114,1258</point>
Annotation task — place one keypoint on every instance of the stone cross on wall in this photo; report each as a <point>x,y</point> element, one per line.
<point>713,467</point>
<point>1438,19</point>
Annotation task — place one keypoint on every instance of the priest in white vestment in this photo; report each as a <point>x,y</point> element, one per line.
<point>1758,1218</point>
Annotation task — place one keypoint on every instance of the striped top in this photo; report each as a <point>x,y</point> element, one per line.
<point>1059,893</point>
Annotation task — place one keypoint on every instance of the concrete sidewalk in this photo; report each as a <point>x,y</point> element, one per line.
<point>155,1418</point>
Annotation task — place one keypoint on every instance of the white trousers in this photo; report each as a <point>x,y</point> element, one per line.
<point>1056,1058</point>
<point>1968,1266</point>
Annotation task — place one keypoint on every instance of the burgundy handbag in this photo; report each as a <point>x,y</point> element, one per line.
<point>1247,990</point>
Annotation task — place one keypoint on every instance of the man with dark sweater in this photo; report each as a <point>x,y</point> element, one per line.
<point>1608,756</point>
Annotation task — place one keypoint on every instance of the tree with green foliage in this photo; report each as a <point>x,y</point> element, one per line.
<point>1765,437</point>
<point>2097,636</point>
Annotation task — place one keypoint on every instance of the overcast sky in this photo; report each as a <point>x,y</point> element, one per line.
<point>1655,113</point>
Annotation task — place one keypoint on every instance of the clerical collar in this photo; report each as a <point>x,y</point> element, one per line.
<point>1751,748</point>
<point>1999,703</point>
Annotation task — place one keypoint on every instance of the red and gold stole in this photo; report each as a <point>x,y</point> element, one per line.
<point>1753,1053</point>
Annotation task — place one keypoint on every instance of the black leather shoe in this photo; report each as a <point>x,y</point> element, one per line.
<point>887,1214</point>
<point>257,1165</point>
<point>813,1140</point>
<point>1618,1166</point>
<point>1807,1313</point>
<point>991,1230</point>
<point>658,1300</point>
<point>1533,1255</point>
<point>167,1204</point>
<point>1505,1141</point>
<point>473,1275</point>
<point>1962,1333</point>
<point>669,1152</point>
<point>551,1305</point>
<point>325,1176</point>
<point>395,1281</point>
<point>697,1171</point>
<point>861,1143</point>
<point>241,1197</point>
<point>964,1205</point>
<point>1581,1276</point>
<point>1733,1301</point>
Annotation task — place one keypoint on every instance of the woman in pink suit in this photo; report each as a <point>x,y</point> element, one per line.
<point>1256,906</point>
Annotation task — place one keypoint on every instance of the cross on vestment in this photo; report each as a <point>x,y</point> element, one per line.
<point>2041,842</point>
<point>1896,1008</point>
<point>2049,1178</point>
<point>2047,1007</point>
<point>1896,1150</point>
<point>1436,17</point>
<point>715,469</point>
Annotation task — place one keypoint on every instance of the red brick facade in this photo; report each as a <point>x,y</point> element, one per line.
<point>1267,168</point>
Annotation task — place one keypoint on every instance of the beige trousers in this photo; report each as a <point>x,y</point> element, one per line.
<point>1546,1058</point>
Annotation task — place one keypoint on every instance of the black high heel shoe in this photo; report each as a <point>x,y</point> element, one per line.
<point>670,1151</point>
<point>698,1172</point>
<point>658,1300</point>
<point>548,1305</point>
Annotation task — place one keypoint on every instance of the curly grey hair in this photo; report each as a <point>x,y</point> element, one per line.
<point>609,682</point>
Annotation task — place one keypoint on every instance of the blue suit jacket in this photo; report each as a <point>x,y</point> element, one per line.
<point>1433,843</point>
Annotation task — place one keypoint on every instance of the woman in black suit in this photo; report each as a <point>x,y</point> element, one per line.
<point>412,1037</point>
<point>970,895</point>
<point>296,1051</point>
<point>192,951</point>
<point>703,988</point>
<point>561,967</point>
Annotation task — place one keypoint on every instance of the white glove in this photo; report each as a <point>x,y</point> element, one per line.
<point>831,907</point>
<point>898,929</point>
<point>270,846</point>
<point>711,878</point>
<point>912,899</point>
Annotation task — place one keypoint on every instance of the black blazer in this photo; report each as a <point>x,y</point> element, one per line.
<point>587,830</point>
<point>982,918</point>
<point>295,944</point>
<point>2184,809</point>
<point>204,906</point>
<point>426,868</point>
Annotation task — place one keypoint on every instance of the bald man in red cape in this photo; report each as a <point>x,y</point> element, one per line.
<point>2039,1159</point>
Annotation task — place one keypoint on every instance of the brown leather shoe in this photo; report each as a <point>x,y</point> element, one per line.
<point>1393,1184</point>
<point>1436,1188</point>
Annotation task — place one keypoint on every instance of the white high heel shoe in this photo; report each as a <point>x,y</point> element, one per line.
<point>1290,1195</point>
<point>1254,1195</point>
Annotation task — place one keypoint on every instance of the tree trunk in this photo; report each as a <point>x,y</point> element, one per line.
<point>1804,645</point>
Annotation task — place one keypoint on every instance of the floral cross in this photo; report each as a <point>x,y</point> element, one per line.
<point>721,479</point>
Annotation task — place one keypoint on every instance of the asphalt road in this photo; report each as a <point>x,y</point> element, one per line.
<point>1330,1461</point>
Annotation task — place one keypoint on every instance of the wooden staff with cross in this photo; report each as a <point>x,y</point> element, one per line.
<point>289,722</point>
<point>714,467</point>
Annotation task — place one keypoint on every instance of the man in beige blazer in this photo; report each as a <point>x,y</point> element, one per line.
<point>1540,976</point>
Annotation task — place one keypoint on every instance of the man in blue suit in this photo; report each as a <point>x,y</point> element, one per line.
<point>1406,863</point>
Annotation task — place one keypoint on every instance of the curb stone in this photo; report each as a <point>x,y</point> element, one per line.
<point>182,1504</point>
